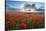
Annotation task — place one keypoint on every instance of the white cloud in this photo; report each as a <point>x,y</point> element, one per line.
<point>14,6</point>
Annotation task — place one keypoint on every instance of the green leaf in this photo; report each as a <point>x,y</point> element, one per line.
<point>29,19</point>
<point>20,19</point>
<point>29,25</point>
<point>17,26</point>
<point>14,19</point>
<point>39,25</point>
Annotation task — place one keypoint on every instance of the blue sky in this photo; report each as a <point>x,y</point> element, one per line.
<point>19,4</point>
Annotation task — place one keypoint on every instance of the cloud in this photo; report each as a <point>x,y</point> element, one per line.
<point>16,6</point>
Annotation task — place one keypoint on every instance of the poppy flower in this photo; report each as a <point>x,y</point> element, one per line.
<point>23,25</point>
<point>17,21</point>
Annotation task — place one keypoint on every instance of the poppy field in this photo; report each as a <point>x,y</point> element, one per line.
<point>24,21</point>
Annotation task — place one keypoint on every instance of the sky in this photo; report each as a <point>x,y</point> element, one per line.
<point>20,4</point>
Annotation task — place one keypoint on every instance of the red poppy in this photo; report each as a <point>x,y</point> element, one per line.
<point>17,21</point>
<point>23,25</point>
